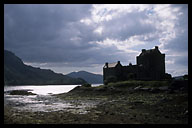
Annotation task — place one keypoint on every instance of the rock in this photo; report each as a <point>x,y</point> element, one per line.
<point>177,84</point>
<point>155,90</point>
<point>164,100</point>
<point>163,88</point>
<point>145,89</point>
<point>186,112</point>
<point>138,102</point>
<point>166,116</point>
<point>137,88</point>
<point>170,91</point>
<point>21,92</point>
<point>111,88</point>
<point>182,89</point>
<point>112,113</point>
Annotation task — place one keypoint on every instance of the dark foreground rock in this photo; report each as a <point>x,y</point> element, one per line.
<point>20,92</point>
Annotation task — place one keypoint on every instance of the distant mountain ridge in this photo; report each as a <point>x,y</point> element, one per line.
<point>181,77</point>
<point>89,77</point>
<point>17,73</point>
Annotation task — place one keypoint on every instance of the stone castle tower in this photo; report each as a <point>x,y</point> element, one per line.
<point>151,64</point>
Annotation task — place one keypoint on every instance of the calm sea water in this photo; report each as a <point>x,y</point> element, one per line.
<point>45,89</point>
<point>46,102</point>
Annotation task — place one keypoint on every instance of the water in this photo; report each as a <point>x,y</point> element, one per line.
<point>44,101</point>
<point>45,89</point>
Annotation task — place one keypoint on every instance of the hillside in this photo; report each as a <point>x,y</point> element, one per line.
<point>89,77</point>
<point>17,73</point>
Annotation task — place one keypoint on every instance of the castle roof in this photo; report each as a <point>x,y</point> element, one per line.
<point>150,51</point>
<point>112,65</point>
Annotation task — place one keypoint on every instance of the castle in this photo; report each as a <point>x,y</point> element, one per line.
<point>150,66</point>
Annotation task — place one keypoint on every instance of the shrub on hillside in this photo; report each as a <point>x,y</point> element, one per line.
<point>86,85</point>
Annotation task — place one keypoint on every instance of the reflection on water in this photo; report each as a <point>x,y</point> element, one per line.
<point>43,90</point>
<point>47,103</point>
<point>44,101</point>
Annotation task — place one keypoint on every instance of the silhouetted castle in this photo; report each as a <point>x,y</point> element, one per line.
<point>150,66</point>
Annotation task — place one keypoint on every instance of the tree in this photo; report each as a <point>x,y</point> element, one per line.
<point>185,77</point>
<point>168,76</point>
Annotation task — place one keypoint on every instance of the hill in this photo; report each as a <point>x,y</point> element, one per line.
<point>17,73</point>
<point>89,77</point>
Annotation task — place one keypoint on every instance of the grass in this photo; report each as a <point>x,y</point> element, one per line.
<point>134,83</point>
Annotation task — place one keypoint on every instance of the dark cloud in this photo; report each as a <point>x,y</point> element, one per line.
<point>127,25</point>
<point>42,32</point>
<point>52,33</point>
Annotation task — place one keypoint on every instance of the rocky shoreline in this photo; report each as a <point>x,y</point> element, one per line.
<point>119,103</point>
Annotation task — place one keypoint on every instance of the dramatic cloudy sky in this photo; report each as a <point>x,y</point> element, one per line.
<point>68,38</point>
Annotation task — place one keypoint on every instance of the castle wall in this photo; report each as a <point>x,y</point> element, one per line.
<point>113,71</point>
<point>130,70</point>
<point>107,72</point>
